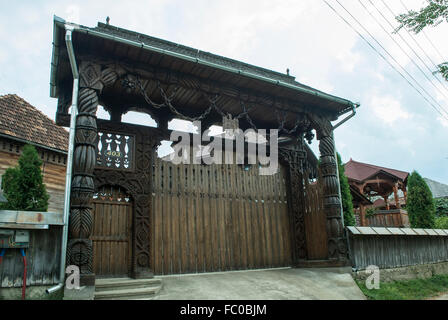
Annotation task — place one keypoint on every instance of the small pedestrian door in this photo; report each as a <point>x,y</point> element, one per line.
<point>111,235</point>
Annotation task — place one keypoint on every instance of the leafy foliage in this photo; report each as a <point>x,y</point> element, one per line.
<point>347,201</point>
<point>23,185</point>
<point>441,222</point>
<point>420,203</point>
<point>432,15</point>
<point>441,207</point>
<point>443,69</point>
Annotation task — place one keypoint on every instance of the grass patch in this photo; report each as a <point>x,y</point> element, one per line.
<point>416,289</point>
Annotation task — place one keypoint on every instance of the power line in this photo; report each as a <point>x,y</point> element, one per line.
<point>404,51</point>
<point>444,83</point>
<point>424,33</point>
<point>415,41</point>
<point>385,59</point>
<point>392,57</point>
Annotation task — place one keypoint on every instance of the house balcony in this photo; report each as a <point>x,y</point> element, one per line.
<point>396,218</point>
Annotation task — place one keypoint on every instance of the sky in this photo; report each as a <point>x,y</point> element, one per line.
<point>395,126</point>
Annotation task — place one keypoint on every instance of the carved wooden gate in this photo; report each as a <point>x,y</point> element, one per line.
<point>218,217</point>
<point>111,235</point>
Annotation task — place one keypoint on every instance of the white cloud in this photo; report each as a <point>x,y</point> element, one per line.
<point>443,121</point>
<point>388,109</point>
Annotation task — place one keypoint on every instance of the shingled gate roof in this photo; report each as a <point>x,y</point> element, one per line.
<point>361,171</point>
<point>22,121</point>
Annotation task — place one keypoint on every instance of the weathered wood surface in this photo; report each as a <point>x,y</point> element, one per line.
<point>392,251</point>
<point>315,221</point>
<point>217,218</point>
<point>111,235</point>
<point>389,218</point>
<point>53,173</point>
<point>43,260</point>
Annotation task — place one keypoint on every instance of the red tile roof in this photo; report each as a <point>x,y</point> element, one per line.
<point>21,120</point>
<point>361,171</point>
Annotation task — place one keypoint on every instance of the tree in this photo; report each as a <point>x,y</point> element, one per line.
<point>432,15</point>
<point>23,185</point>
<point>347,201</point>
<point>420,202</point>
<point>441,207</point>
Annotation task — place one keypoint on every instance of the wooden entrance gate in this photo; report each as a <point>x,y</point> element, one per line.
<point>111,235</point>
<point>209,218</point>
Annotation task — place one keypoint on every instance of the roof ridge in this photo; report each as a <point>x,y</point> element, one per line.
<point>377,167</point>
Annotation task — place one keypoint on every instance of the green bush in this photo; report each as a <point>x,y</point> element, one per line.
<point>441,222</point>
<point>347,201</point>
<point>420,203</point>
<point>23,185</point>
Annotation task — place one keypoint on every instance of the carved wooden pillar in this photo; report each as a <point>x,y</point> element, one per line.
<point>362,215</point>
<point>397,199</point>
<point>386,201</point>
<point>337,242</point>
<point>295,156</point>
<point>79,247</point>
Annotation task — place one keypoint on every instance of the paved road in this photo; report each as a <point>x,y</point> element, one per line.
<point>274,284</point>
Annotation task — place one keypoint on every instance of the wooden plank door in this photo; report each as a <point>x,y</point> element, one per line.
<point>315,221</point>
<point>218,218</point>
<point>112,216</point>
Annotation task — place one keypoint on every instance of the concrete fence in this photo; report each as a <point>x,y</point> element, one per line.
<point>396,247</point>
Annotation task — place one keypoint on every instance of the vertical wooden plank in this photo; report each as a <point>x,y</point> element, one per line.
<point>242,216</point>
<point>214,247</point>
<point>255,218</point>
<point>206,199</point>
<point>175,220</point>
<point>222,218</point>
<point>235,218</point>
<point>198,219</point>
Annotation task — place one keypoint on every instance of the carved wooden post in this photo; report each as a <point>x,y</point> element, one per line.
<point>386,201</point>
<point>295,156</point>
<point>337,242</point>
<point>397,199</point>
<point>79,247</point>
<point>362,214</point>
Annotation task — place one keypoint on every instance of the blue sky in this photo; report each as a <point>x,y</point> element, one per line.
<point>395,127</point>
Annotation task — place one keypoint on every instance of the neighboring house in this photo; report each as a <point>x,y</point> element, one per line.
<point>438,190</point>
<point>20,124</point>
<point>378,184</point>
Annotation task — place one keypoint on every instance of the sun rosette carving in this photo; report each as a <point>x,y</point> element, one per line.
<point>79,253</point>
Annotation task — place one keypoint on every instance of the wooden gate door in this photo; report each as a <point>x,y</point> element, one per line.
<point>111,235</point>
<point>315,221</point>
<point>209,218</point>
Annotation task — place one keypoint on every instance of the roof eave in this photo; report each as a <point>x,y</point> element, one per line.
<point>59,22</point>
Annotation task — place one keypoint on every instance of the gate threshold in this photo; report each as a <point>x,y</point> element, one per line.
<point>218,272</point>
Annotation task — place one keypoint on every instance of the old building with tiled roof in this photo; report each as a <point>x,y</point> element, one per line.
<point>20,124</point>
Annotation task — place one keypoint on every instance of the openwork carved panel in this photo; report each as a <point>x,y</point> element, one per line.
<point>115,151</point>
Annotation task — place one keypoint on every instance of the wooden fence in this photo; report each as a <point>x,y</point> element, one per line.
<point>43,254</point>
<point>395,247</point>
<point>43,260</point>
